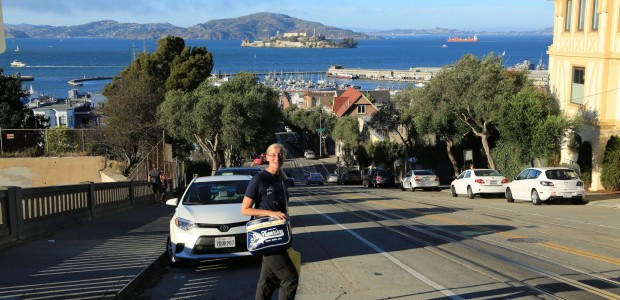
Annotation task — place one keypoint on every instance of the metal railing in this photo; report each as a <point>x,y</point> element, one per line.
<point>27,213</point>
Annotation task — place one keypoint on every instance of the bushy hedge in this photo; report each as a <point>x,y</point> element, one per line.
<point>584,161</point>
<point>610,175</point>
<point>506,157</point>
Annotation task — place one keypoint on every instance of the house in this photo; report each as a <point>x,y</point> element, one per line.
<point>584,71</point>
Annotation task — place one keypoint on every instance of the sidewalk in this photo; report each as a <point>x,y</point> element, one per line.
<point>95,260</point>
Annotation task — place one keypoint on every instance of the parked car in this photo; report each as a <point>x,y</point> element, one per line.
<point>261,160</point>
<point>381,179</point>
<point>309,154</point>
<point>207,222</point>
<point>478,181</point>
<point>238,171</point>
<point>545,184</point>
<point>290,179</point>
<point>332,178</point>
<point>351,177</point>
<point>420,179</point>
<point>315,178</point>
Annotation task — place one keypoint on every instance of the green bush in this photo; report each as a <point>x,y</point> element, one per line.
<point>584,161</point>
<point>610,174</point>
<point>506,158</point>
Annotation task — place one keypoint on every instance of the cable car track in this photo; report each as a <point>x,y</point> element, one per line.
<point>413,230</point>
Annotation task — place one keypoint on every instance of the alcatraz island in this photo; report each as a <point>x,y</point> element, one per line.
<point>300,40</point>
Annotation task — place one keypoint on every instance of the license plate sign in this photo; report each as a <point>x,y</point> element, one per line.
<point>493,182</point>
<point>225,242</point>
<point>567,195</point>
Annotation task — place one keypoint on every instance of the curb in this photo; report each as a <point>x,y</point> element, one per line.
<point>128,291</point>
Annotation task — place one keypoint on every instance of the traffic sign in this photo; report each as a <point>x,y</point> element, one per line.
<point>320,130</point>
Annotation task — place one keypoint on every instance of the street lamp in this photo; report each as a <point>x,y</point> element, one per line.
<point>320,132</point>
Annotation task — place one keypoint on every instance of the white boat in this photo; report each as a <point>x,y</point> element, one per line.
<point>16,48</point>
<point>444,46</point>
<point>17,64</point>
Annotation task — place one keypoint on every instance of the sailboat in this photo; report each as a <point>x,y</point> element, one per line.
<point>16,48</point>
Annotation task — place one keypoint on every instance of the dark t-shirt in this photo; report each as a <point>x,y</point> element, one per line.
<point>267,192</point>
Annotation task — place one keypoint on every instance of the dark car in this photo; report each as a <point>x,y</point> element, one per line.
<point>351,177</point>
<point>238,171</point>
<point>382,179</point>
<point>315,178</point>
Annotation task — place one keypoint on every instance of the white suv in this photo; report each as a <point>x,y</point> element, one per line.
<point>309,154</point>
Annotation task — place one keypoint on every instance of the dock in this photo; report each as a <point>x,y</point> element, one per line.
<point>79,82</point>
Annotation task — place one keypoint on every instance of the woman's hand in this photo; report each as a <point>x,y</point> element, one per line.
<point>278,215</point>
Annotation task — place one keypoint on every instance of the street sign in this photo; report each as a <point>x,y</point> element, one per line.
<point>320,130</point>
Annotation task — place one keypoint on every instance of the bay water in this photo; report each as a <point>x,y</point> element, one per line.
<point>54,61</point>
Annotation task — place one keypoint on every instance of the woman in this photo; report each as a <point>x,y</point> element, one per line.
<point>265,197</point>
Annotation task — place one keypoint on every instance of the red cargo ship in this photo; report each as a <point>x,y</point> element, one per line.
<point>468,39</point>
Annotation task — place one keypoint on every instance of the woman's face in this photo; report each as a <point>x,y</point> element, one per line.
<point>275,157</point>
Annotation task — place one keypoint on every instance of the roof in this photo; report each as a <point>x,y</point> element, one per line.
<point>223,178</point>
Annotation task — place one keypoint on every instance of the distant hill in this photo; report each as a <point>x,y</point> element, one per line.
<point>455,32</point>
<point>253,27</point>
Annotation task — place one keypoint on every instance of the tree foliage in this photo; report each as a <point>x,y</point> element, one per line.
<point>132,127</point>
<point>227,122</point>
<point>394,117</point>
<point>610,173</point>
<point>384,153</point>
<point>475,89</point>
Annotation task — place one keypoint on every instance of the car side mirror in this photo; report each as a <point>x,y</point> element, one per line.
<point>172,202</point>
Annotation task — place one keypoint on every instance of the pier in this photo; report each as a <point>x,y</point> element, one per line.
<point>78,82</point>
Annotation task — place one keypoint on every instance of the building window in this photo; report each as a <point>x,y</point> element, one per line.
<point>569,11</point>
<point>582,14</point>
<point>577,86</point>
<point>595,15</point>
<point>361,109</point>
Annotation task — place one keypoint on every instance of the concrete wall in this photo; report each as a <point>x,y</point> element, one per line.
<point>50,171</point>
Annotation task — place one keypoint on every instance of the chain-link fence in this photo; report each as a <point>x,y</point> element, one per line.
<point>160,157</point>
<point>52,141</point>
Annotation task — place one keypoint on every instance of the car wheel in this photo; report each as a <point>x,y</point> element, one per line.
<point>402,186</point>
<point>411,188</point>
<point>172,260</point>
<point>454,194</point>
<point>535,199</point>
<point>470,193</point>
<point>509,196</point>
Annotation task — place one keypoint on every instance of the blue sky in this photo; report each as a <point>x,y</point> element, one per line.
<point>359,14</point>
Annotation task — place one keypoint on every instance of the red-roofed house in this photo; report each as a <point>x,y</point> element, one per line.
<point>353,103</point>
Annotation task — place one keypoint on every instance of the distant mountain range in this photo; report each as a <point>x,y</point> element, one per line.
<point>254,27</point>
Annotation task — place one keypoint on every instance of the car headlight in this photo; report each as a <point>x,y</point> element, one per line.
<point>546,183</point>
<point>184,224</point>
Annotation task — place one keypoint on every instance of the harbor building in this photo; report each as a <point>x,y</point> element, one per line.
<point>584,72</point>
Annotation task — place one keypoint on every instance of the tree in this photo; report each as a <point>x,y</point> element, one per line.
<point>14,115</point>
<point>393,118</point>
<point>384,153</point>
<point>237,118</point>
<point>475,90</point>
<point>534,125</point>
<point>610,168</point>
<point>130,113</point>
<point>347,134</point>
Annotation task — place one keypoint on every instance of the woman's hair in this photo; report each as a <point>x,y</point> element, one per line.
<point>283,151</point>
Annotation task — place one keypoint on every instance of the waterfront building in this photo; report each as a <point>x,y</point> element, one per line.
<point>584,71</point>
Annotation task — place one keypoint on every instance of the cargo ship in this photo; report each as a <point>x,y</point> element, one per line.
<point>468,39</point>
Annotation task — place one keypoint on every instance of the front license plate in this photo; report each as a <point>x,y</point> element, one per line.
<point>225,242</point>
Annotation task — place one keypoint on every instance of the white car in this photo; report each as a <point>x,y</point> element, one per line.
<point>208,222</point>
<point>420,179</point>
<point>309,154</point>
<point>478,181</point>
<point>544,184</point>
<point>288,129</point>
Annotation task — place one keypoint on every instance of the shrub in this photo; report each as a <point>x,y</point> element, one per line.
<point>584,161</point>
<point>506,158</point>
<point>610,174</point>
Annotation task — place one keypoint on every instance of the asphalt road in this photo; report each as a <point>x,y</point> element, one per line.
<point>363,243</point>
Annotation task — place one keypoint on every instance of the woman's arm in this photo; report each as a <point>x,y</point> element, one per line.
<point>248,210</point>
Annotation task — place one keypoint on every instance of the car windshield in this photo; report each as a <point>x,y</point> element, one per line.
<point>481,173</point>
<point>561,174</point>
<point>216,192</point>
<point>250,172</point>
<point>423,172</point>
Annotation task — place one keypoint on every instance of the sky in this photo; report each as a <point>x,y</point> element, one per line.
<point>358,14</point>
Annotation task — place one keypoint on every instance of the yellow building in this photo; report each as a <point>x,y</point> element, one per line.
<point>584,71</point>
